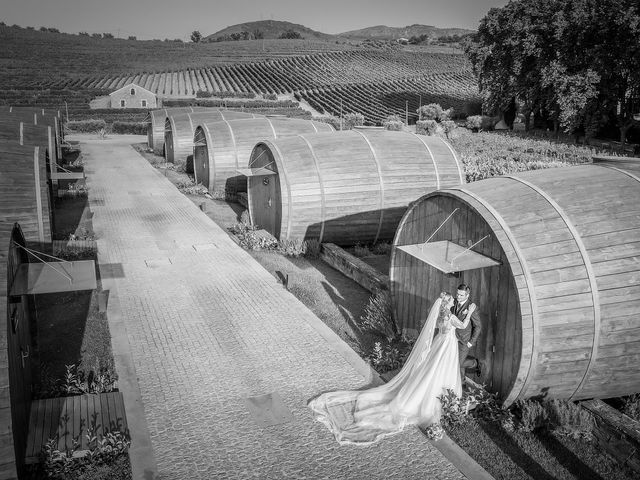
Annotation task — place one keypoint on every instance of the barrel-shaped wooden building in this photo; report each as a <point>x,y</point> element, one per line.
<point>157,121</point>
<point>553,261</point>
<point>220,148</point>
<point>27,133</point>
<point>26,196</point>
<point>179,129</point>
<point>34,118</point>
<point>345,187</point>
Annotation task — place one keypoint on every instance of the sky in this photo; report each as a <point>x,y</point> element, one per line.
<point>148,19</point>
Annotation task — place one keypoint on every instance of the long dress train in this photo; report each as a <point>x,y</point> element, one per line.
<point>411,397</point>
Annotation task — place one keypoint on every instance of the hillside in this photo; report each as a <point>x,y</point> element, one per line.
<point>269,29</point>
<point>382,32</point>
<point>53,69</point>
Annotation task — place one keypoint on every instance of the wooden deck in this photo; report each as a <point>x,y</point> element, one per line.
<point>67,418</point>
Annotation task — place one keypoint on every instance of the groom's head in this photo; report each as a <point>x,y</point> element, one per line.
<point>462,295</point>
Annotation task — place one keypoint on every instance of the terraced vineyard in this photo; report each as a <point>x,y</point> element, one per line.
<point>330,78</point>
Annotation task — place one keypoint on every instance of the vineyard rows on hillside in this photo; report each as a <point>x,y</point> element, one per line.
<point>376,101</point>
<point>286,75</point>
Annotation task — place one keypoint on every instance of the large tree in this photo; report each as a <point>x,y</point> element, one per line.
<point>574,61</point>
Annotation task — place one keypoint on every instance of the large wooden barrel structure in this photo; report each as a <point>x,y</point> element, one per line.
<point>179,129</point>
<point>30,134</point>
<point>35,117</point>
<point>553,261</point>
<point>15,375</point>
<point>222,147</point>
<point>345,187</point>
<point>25,192</point>
<point>157,120</point>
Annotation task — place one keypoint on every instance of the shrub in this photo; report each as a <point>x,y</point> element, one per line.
<point>474,123</point>
<point>76,382</point>
<point>313,248</point>
<point>250,240</point>
<point>351,120</point>
<point>189,187</point>
<point>434,111</point>
<point>270,96</point>
<point>203,94</point>
<point>333,121</point>
<point>631,406</point>
<point>455,409</point>
<point>133,128</point>
<point>91,125</point>
<point>393,122</point>
<point>381,248</point>
<point>102,449</point>
<point>448,126</point>
<point>361,251</point>
<point>378,316</point>
<point>426,127</point>
<point>292,248</point>
<point>561,416</point>
<point>387,358</point>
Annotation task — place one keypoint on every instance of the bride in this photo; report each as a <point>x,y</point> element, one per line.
<point>411,397</point>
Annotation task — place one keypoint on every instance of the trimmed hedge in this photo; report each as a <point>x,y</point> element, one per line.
<point>86,126</point>
<point>134,128</point>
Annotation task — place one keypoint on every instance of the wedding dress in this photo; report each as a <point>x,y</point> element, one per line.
<point>411,397</point>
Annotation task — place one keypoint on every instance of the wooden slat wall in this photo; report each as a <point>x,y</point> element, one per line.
<point>155,130</point>
<point>18,199</point>
<point>14,400</point>
<point>607,223</point>
<point>229,145</point>
<point>180,127</point>
<point>353,186</point>
<point>570,245</point>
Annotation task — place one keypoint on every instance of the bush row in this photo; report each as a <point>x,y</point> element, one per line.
<point>229,103</point>
<point>98,124</point>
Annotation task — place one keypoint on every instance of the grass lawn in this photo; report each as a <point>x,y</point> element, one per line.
<point>536,456</point>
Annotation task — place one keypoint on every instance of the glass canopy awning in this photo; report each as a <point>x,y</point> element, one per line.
<point>53,277</point>
<point>448,257</point>
<point>255,172</point>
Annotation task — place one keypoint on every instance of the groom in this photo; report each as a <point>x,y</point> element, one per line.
<point>466,336</point>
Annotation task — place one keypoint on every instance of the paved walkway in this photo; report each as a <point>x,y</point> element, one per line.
<point>198,326</point>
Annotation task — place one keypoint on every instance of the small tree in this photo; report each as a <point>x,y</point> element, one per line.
<point>291,34</point>
<point>196,36</point>
<point>351,120</point>
<point>434,111</point>
<point>132,37</point>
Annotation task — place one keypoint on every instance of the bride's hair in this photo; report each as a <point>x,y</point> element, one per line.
<point>446,297</point>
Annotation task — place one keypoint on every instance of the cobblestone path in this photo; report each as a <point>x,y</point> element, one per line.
<point>206,327</point>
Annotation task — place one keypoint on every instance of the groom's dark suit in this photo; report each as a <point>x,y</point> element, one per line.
<point>466,335</point>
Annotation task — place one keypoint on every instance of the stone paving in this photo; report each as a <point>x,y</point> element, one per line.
<point>204,326</point>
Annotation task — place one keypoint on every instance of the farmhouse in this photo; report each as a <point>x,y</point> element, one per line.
<point>133,96</point>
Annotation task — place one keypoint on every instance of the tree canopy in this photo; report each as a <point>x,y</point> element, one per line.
<point>575,63</point>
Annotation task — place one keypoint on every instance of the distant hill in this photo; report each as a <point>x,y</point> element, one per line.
<point>269,29</point>
<point>382,32</point>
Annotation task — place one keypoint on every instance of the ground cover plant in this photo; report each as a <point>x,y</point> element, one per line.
<point>488,154</point>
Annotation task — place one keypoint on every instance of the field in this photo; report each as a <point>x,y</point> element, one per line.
<point>56,69</point>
